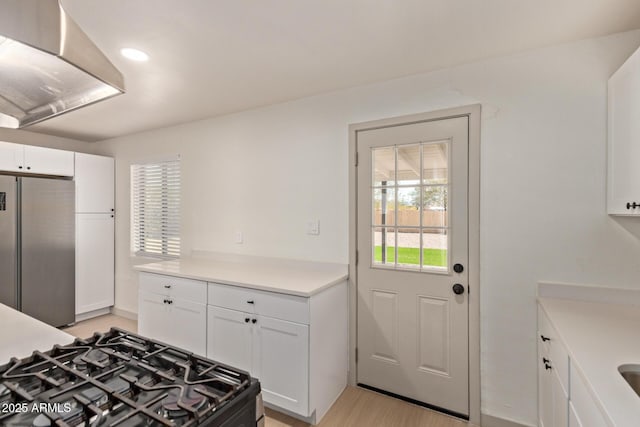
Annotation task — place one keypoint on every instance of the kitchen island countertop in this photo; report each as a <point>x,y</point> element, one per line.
<point>20,335</point>
<point>291,277</point>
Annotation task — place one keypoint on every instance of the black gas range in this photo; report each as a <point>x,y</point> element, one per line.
<point>120,379</point>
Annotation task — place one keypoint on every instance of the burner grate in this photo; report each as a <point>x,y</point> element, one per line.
<point>117,379</point>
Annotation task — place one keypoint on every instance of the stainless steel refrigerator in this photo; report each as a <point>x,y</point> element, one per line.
<point>37,247</point>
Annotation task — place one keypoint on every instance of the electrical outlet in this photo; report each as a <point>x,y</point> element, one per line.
<point>239,238</point>
<point>313,227</point>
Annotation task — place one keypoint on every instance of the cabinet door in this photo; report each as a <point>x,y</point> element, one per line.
<point>545,394</point>
<point>560,402</point>
<point>187,327</point>
<point>574,421</point>
<point>282,363</point>
<point>11,157</point>
<point>623,174</point>
<point>230,337</point>
<point>94,262</point>
<point>94,176</point>
<point>48,161</point>
<point>153,317</point>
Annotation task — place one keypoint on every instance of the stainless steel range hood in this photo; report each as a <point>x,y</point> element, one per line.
<point>48,65</point>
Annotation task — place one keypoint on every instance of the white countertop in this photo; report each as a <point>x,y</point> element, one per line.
<point>291,277</point>
<point>20,335</point>
<point>600,337</point>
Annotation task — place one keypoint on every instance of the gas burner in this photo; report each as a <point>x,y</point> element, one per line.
<point>72,416</point>
<point>120,379</point>
<point>185,396</point>
<point>94,355</point>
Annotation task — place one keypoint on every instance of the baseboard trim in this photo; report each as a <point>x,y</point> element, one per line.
<point>124,313</point>
<point>91,314</point>
<point>491,421</point>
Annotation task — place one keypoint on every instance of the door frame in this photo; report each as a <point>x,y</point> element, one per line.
<point>473,113</point>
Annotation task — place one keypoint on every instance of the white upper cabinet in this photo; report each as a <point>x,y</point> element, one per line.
<point>48,161</point>
<point>94,183</point>
<point>623,173</point>
<point>35,160</point>
<point>11,157</point>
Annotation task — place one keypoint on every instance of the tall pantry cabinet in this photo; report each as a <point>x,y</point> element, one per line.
<point>95,218</point>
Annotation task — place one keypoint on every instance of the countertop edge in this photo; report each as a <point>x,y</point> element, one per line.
<point>258,286</point>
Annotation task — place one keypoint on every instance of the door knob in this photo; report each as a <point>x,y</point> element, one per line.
<point>458,268</point>
<point>458,289</point>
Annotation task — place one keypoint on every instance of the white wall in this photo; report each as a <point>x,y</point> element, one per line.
<point>21,136</point>
<point>267,171</point>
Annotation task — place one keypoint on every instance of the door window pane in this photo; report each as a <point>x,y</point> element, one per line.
<point>408,165</point>
<point>435,244</point>
<point>384,205</point>
<point>435,202</point>
<point>409,247</point>
<point>435,163</point>
<point>408,206</point>
<point>384,166</point>
<point>384,250</point>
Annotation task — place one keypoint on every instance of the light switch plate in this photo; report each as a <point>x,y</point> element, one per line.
<point>313,227</point>
<point>238,237</point>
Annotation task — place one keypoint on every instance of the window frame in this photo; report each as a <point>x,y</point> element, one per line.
<point>167,211</point>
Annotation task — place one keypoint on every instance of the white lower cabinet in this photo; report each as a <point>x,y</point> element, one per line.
<point>170,311</point>
<point>563,398</point>
<point>273,350</point>
<point>295,346</point>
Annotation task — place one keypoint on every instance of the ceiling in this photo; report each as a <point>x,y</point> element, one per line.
<point>214,57</point>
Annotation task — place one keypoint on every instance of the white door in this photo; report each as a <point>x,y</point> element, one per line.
<point>412,274</point>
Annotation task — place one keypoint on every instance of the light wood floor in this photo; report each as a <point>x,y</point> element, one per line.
<point>356,407</point>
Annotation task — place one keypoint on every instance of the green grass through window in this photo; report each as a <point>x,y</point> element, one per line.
<point>431,257</point>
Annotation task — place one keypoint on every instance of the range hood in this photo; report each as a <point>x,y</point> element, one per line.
<point>48,65</point>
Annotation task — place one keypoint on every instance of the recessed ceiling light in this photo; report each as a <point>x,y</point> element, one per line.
<point>134,54</point>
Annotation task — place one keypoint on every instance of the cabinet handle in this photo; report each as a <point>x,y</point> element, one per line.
<point>633,205</point>
<point>169,301</point>
<point>547,366</point>
<point>20,167</point>
<point>246,320</point>
<point>165,301</point>
<point>28,168</point>
<point>254,321</point>
<point>544,338</point>
<point>545,360</point>
<point>167,286</point>
<point>250,301</point>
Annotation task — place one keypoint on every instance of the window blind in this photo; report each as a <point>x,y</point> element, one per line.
<point>156,208</point>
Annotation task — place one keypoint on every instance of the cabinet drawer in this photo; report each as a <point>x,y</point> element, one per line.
<point>272,304</point>
<point>177,287</point>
